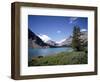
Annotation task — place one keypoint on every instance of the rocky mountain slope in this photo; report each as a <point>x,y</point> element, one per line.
<point>50,42</point>
<point>34,41</point>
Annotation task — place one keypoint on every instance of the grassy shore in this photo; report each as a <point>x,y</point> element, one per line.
<point>63,58</point>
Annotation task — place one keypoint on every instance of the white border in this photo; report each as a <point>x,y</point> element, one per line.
<point>25,70</point>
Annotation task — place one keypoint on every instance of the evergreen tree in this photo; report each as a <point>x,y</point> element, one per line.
<point>76,42</point>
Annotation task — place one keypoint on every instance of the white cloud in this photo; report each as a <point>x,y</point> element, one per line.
<point>58,31</point>
<point>60,41</point>
<point>72,19</point>
<point>83,30</point>
<point>45,38</point>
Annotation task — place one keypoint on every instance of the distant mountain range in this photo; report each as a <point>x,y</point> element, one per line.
<point>35,41</point>
<point>53,43</point>
<point>68,41</point>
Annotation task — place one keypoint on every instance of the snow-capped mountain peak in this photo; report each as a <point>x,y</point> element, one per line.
<point>53,43</point>
<point>60,41</point>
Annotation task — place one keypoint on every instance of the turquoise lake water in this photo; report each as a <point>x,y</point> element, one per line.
<point>34,52</point>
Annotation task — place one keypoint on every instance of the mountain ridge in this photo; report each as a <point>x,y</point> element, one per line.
<point>34,41</point>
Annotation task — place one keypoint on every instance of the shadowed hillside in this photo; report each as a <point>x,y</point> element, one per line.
<point>35,42</point>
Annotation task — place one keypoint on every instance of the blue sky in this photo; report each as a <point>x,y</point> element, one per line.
<point>56,28</point>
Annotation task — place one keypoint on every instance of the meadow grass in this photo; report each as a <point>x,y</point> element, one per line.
<point>63,58</point>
